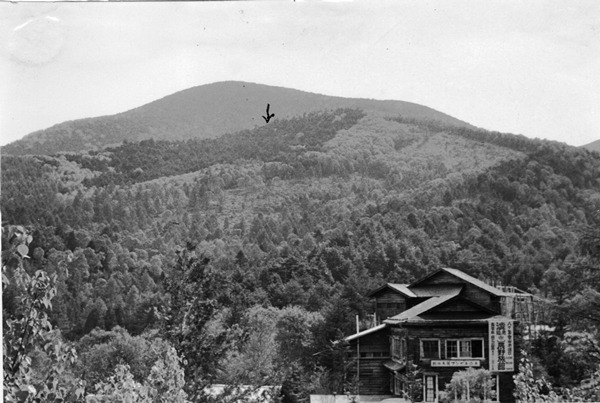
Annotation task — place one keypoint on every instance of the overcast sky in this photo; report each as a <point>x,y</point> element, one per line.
<point>527,67</point>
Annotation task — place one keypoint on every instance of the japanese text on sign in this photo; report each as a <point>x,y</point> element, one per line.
<point>501,345</point>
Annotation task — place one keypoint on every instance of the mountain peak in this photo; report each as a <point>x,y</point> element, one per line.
<point>205,111</point>
<point>593,146</point>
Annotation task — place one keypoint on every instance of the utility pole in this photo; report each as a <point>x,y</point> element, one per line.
<point>357,358</point>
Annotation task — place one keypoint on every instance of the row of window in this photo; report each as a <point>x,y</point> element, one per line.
<point>432,348</point>
<point>430,387</point>
<point>454,348</point>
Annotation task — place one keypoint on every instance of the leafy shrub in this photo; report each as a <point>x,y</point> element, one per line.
<point>471,385</point>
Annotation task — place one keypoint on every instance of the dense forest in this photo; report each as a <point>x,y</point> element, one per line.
<point>171,265</point>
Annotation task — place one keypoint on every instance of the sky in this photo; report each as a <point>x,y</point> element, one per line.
<point>523,67</point>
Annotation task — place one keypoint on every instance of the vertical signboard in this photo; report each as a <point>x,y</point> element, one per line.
<point>502,357</point>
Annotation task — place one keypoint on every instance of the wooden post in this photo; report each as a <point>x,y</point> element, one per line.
<point>357,358</point>
<point>468,392</point>
<point>485,384</point>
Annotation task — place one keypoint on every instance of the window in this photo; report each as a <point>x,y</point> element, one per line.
<point>451,348</point>
<point>403,348</point>
<point>398,385</point>
<point>477,348</point>
<point>398,348</point>
<point>430,349</point>
<point>430,388</point>
<point>464,348</point>
<point>395,347</point>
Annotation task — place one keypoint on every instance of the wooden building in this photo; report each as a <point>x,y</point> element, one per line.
<point>445,322</point>
<point>391,299</point>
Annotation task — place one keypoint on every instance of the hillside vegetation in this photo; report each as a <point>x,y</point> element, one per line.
<point>202,112</point>
<point>250,253</point>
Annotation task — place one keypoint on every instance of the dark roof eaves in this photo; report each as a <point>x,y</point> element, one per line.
<point>441,301</point>
<point>389,285</point>
<point>495,291</point>
<point>490,289</point>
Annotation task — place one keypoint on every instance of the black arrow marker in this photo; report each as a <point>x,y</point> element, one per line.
<point>268,117</point>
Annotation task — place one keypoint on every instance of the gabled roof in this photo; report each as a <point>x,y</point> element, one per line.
<point>465,277</point>
<point>414,313</point>
<point>418,309</point>
<point>366,332</point>
<point>399,288</point>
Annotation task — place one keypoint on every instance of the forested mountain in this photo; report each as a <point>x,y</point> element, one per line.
<point>593,146</point>
<point>251,252</point>
<point>202,112</point>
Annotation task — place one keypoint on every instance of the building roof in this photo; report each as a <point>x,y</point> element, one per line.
<point>393,365</point>
<point>438,322</point>
<point>419,309</point>
<point>465,277</point>
<point>437,290</point>
<point>400,288</point>
<point>413,314</point>
<point>511,290</point>
<point>365,332</point>
<point>403,288</point>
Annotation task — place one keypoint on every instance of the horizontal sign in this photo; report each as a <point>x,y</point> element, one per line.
<point>455,363</point>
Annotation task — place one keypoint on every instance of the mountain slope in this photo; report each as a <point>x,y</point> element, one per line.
<point>593,146</point>
<point>307,214</point>
<point>206,111</point>
<point>394,198</point>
